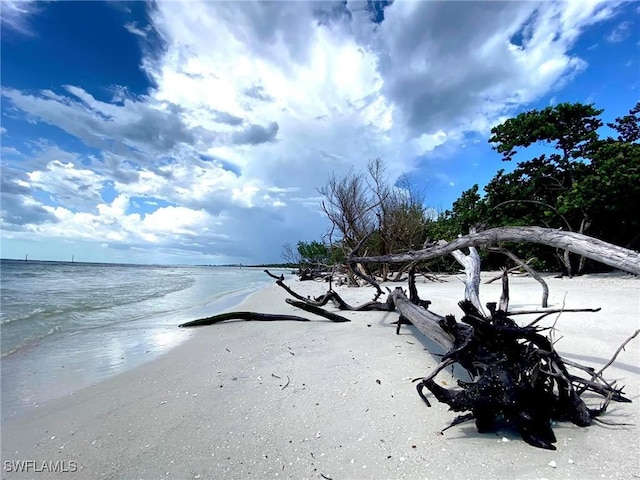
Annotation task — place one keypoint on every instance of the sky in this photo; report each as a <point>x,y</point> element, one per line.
<point>200,132</point>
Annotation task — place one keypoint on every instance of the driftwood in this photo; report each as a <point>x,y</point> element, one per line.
<point>471,264</point>
<point>516,376</point>
<point>317,310</point>
<point>264,317</point>
<point>261,317</point>
<point>518,379</point>
<point>607,253</point>
<point>332,296</point>
<point>509,270</point>
<point>504,298</point>
<point>529,270</point>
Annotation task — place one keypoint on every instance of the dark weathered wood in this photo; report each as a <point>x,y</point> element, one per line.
<point>281,277</point>
<point>317,310</point>
<point>504,297</point>
<point>332,296</point>
<point>261,317</point>
<point>529,270</point>
<point>517,377</point>
<point>607,253</point>
<point>550,312</point>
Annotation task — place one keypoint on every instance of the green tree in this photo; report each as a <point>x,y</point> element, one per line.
<point>313,252</point>
<point>534,193</point>
<point>570,129</point>
<point>581,183</point>
<point>610,193</point>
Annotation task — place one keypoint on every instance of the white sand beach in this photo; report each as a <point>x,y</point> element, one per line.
<point>335,401</point>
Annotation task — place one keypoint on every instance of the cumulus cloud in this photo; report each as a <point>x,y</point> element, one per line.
<point>254,105</point>
<point>18,208</point>
<point>461,65</point>
<point>256,134</point>
<point>74,187</point>
<point>136,125</point>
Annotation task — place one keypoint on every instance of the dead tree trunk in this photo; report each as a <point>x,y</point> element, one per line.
<point>471,264</point>
<point>424,320</point>
<point>607,253</point>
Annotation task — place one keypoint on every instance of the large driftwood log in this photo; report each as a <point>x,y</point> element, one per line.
<point>424,320</point>
<point>607,253</point>
<point>517,377</point>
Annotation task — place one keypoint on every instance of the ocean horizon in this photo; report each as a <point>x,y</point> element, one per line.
<point>68,325</point>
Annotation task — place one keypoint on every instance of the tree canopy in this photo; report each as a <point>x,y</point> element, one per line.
<point>572,173</point>
<point>579,181</point>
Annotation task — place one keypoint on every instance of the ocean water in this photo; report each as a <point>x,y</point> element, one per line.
<point>64,326</point>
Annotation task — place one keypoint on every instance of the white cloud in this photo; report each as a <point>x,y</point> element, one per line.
<point>454,67</point>
<point>166,226</point>
<point>133,28</point>
<point>137,125</point>
<point>15,15</point>
<point>70,186</point>
<point>621,32</point>
<point>255,104</point>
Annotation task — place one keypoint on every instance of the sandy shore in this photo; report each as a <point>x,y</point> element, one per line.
<point>325,400</point>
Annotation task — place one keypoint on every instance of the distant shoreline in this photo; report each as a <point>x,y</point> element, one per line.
<point>186,265</point>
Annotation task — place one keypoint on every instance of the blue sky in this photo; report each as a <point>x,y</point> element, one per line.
<point>199,132</point>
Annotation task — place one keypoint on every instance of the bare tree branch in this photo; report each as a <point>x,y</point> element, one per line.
<point>604,252</point>
<point>529,270</point>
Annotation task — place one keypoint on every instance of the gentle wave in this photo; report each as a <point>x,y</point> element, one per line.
<point>42,299</point>
<point>30,340</point>
<point>65,326</point>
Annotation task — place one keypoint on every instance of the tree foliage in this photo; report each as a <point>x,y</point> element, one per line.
<point>574,179</point>
<point>570,174</point>
<point>313,253</point>
<point>362,204</point>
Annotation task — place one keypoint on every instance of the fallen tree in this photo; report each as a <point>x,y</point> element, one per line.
<point>607,253</point>
<point>516,377</point>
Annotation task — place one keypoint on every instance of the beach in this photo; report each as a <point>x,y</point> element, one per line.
<point>331,400</point>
